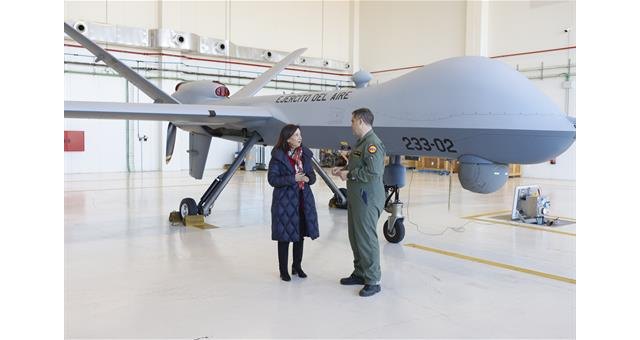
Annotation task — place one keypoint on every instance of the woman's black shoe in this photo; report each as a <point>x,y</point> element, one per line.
<point>285,277</point>
<point>298,271</point>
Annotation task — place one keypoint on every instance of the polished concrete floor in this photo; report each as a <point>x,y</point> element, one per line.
<point>130,274</point>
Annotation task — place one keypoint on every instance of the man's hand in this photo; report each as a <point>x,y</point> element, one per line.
<point>336,171</point>
<point>300,177</point>
<point>305,179</point>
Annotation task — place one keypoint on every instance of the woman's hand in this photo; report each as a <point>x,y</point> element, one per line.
<point>338,171</point>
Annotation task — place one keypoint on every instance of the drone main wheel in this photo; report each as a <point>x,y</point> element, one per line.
<point>333,202</point>
<point>188,206</point>
<point>395,234</point>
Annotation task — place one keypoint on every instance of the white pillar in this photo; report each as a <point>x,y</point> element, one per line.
<point>477,28</point>
<point>354,35</point>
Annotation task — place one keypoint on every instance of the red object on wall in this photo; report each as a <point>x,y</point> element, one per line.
<point>74,141</point>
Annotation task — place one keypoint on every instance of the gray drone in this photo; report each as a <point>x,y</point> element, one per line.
<point>472,109</point>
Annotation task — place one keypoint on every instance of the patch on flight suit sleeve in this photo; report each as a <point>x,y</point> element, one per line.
<point>372,148</point>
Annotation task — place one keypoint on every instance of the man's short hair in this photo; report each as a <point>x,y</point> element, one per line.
<point>365,114</point>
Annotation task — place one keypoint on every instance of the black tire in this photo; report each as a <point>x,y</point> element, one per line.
<point>396,234</point>
<point>188,206</point>
<point>333,202</point>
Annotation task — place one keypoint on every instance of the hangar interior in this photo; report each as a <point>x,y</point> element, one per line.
<point>461,271</point>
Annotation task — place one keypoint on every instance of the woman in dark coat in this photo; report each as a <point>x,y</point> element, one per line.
<point>293,208</point>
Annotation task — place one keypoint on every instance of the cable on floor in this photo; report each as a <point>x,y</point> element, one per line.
<point>458,229</point>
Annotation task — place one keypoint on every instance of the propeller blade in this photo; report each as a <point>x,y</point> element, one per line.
<point>171,141</point>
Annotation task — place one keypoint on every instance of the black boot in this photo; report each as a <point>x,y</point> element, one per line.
<point>283,254</point>
<point>296,268</point>
<point>369,290</point>
<point>352,280</point>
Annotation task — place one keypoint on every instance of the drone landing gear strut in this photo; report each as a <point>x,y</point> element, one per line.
<point>191,212</point>
<point>339,199</point>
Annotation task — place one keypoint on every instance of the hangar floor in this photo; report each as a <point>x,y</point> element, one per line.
<point>129,273</point>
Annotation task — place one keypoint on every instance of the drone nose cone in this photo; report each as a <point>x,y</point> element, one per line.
<point>478,85</point>
<point>502,115</point>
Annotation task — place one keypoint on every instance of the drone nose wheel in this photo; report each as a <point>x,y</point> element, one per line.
<point>395,233</point>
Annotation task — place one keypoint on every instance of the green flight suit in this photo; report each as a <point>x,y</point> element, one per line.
<point>366,196</point>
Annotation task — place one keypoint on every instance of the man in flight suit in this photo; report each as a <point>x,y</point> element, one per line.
<point>365,199</point>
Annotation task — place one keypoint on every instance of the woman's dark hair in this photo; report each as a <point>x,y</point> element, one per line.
<point>285,134</point>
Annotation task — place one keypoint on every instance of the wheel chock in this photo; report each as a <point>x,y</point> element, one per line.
<point>175,218</point>
<point>197,221</point>
<point>189,221</point>
<point>194,220</point>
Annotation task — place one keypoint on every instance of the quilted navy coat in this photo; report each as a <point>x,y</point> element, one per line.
<point>286,221</point>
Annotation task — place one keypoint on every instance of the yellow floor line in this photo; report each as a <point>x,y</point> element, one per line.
<point>520,225</point>
<point>492,214</point>
<point>489,214</point>
<point>486,217</point>
<point>492,263</point>
<point>562,218</point>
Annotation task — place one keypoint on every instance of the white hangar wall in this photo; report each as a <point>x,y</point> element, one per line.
<point>397,34</point>
<point>324,28</point>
